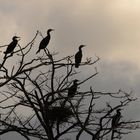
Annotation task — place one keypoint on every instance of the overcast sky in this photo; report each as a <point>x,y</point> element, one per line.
<point>109,28</point>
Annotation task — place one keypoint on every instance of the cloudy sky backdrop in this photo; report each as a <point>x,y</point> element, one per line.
<point>109,28</point>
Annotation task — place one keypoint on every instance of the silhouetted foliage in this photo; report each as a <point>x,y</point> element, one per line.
<point>41,98</point>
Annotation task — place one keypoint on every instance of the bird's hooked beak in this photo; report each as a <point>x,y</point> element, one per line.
<point>52,29</point>
<point>82,46</point>
<point>49,30</point>
<point>120,109</point>
<point>76,80</point>
<point>15,38</point>
<point>18,38</point>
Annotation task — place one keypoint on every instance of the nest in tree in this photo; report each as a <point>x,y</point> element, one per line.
<point>59,114</point>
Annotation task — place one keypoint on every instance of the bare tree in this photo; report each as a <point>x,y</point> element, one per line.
<point>35,103</point>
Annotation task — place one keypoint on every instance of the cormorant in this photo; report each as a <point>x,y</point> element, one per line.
<point>115,122</point>
<point>12,45</point>
<point>78,56</point>
<point>116,118</point>
<point>45,41</point>
<point>71,92</point>
<point>73,89</point>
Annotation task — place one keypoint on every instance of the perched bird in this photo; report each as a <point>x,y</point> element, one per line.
<point>115,122</point>
<point>71,92</point>
<point>78,56</point>
<point>116,118</point>
<point>45,41</point>
<point>73,89</point>
<point>12,45</point>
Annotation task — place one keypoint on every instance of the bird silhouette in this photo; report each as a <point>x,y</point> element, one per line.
<point>73,89</point>
<point>71,92</point>
<point>116,118</point>
<point>45,41</point>
<point>12,45</point>
<point>115,121</point>
<point>78,56</point>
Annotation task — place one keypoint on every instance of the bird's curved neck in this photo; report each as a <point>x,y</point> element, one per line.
<point>80,49</point>
<point>48,33</point>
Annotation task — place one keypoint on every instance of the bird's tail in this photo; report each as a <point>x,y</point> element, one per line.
<point>76,65</point>
<point>38,51</point>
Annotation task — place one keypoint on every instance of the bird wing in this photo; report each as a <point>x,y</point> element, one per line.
<point>72,90</point>
<point>44,42</point>
<point>11,47</point>
<point>78,57</point>
<point>115,120</point>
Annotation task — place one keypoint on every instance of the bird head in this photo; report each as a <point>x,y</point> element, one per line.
<point>118,110</point>
<point>15,37</point>
<point>75,81</point>
<point>81,46</point>
<point>49,30</point>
